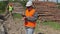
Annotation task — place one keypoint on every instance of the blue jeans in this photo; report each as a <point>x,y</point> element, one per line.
<point>29,30</point>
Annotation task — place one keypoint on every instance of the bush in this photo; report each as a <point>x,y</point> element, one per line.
<point>3,4</point>
<point>23,3</point>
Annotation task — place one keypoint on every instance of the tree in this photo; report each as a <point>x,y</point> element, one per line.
<point>47,0</point>
<point>57,1</point>
<point>44,0</point>
<point>3,4</point>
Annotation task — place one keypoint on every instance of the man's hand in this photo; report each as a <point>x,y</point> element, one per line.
<point>23,18</point>
<point>22,15</point>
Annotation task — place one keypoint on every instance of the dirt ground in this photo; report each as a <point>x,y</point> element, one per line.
<point>16,27</point>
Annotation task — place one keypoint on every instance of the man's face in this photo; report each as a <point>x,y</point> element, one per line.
<point>10,5</point>
<point>29,8</point>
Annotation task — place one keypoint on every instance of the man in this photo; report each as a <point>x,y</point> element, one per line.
<point>30,18</point>
<point>10,9</point>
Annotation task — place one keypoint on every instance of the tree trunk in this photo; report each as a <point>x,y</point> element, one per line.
<point>44,0</point>
<point>57,1</point>
<point>47,0</point>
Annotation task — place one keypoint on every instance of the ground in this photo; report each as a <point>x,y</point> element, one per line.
<point>44,29</point>
<point>15,26</point>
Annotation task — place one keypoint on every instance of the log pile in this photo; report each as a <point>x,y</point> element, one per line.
<point>47,11</point>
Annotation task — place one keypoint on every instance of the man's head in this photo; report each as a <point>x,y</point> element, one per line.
<point>29,5</point>
<point>10,4</point>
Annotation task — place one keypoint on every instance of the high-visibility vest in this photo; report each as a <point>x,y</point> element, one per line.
<point>10,8</point>
<point>30,14</point>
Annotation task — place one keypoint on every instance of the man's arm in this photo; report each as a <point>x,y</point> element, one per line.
<point>23,14</point>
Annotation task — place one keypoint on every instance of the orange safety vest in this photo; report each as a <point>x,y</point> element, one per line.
<point>30,14</point>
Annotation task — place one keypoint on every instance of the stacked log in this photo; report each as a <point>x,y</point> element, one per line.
<point>47,11</point>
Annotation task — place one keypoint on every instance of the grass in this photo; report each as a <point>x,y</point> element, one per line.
<point>51,24</point>
<point>15,15</point>
<point>55,25</point>
<point>58,3</point>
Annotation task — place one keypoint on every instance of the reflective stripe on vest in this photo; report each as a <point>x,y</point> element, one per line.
<point>30,14</point>
<point>10,8</point>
